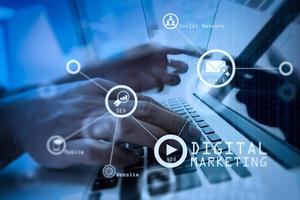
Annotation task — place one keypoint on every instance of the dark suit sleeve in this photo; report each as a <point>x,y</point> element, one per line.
<point>8,146</point>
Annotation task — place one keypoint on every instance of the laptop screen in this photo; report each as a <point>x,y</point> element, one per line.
<point>266,93</point>
<point>214,24</point>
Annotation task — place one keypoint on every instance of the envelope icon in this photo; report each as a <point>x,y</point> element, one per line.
<point>215,66</point>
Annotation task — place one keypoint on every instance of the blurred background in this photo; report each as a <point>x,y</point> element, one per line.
<point>38,36</point>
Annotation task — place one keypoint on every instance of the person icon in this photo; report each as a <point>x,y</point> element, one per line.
<point>170,20</point>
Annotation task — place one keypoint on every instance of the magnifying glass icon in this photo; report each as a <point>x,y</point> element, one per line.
<point>122,97</point>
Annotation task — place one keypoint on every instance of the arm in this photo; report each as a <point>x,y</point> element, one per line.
<point>141,68</point>
<point>9,147</point>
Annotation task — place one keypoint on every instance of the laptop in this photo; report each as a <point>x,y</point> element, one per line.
<point>219,119</point>
<point>211,111</point>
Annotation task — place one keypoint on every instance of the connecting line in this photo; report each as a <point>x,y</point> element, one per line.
<point>113,143</point>
<point>143,127</point>
<point>187,39</point>
<point>79,130</point>
<point>183,126</point>
<point>258,68</point>
<point>86,76</point>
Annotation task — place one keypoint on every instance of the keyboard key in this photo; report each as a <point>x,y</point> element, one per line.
<point>184,168</point>
<point>134,146</point>
<point>207,130</point>
<point>202,146</point>
<point>221,145</point>
<point>202,124</point>
<point>185,115</point>
<point>240,1</point>
<point>161,175</point>
<point>198,119</point>
<point>187,181</point>
<point>191,111</point>
<point>179,111</point>
<point>188,107</point>
<point>179,108</point>
<point>240,169</point>
<point>104,183</point>
<point>254,3</point>
<point>213,137</point>
<point>195,115</point>
<point>230,157</point>
<point>95,196</point>
<point>215,174</point>
<point>174,103</point>
<point>266,5</point>
<point>176,107</point>
<point>159,182</point>
<point>130,185</point>
<point>202,156</point>
<point>164,103</point>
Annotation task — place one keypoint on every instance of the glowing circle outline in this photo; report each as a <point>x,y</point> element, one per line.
<point>134,96</point>
<point>201,60</point>
<point>170,137</point>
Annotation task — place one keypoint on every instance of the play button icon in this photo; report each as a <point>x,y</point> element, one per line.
<point>170,161</point>
<point>170,149</point>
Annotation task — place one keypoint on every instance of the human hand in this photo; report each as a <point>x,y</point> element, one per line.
<point>33,120</point>
<point>143,67</point>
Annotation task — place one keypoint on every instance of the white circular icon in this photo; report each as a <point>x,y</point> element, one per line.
<point>56,145</point>
<point>216,67</point>
<point>169,150</point>
<point>73,66</point>
<point>288,72</point>
<point>170,21</point>
<point>120,106</point>
<point>109,171</point>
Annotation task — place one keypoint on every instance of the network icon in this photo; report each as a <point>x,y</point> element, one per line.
<point>170,21</point>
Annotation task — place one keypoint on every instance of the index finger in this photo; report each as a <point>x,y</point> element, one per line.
<point>176,51</point>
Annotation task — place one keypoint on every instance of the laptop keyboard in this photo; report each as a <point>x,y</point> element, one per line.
<point>186,177</point>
